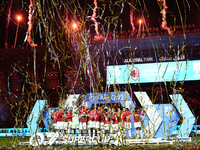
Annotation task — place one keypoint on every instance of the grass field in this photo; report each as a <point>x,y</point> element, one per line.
<point>12,140</point>
<point>13,143</point>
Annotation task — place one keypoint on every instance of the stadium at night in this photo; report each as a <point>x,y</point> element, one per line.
<point>88,80</point>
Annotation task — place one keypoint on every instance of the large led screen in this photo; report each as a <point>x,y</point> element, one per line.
<point>154,72</point>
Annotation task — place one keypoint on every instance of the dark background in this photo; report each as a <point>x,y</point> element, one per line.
<point>152,15</point>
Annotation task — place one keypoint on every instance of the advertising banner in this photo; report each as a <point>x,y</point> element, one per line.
<point>154,72</point>
<point>109,97</point>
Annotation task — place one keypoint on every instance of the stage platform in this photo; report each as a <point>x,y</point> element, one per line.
<point>94,141</point>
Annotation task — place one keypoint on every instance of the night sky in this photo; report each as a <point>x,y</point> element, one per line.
<point>152,16</point>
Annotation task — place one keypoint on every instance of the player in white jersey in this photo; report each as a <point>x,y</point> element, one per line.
<point>75,119</point>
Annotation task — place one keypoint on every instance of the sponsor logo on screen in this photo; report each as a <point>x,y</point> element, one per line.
<point>135,73</point>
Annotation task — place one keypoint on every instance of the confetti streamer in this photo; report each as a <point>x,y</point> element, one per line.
<point>30,17</point>
<point>163,12</point>
<point>131,15</point>
<point>80,63</point>
<point>67,20</point>
<point>8,22</point>
<point>93,19</point>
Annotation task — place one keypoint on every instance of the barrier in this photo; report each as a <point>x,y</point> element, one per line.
<point>13,132</point>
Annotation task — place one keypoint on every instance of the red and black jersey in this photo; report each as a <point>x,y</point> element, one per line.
<point>53,117</point>
<point>101,117</point>
<point>60,117</point>
<point>83,114</point>
<point>94,115</point>
<point>69,116</point>
<point>119,116</point>
<point>137,116</point>
<point>107,117</point>
<point>127,114</point>
<point>114,119</point>
<point>123,116</point>
<point>57,115</point>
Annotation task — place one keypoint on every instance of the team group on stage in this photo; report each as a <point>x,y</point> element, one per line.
<point>95,121</point>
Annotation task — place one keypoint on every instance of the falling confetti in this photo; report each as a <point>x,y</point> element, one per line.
<point>70,61</point>
<point>93,19</point>
<point>163,12</point>
<point>131,15</point>
<point>30,17</point>
<point>8,22</point>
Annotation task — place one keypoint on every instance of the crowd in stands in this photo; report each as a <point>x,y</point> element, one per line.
<point>178,29</point>
<point>192,97</point>
<point>144,32</point>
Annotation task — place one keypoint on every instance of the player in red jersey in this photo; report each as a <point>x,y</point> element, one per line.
<point>107,122</point>
<point>137,122</point>
<point>82,119</point>
<point>53,117</point>
<point>94,120</point>
<point>114,121</point>
<point>120,119</point>
<point>123,117</point>
<point>91,121</point>
<point>60,119</point>
<point>65,120</point>
<point>128,122</point>
<point>98,124</point>
<point>107,117</point>
<point>102,120</point>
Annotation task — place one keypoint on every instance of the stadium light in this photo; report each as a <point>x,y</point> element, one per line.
<point>140,21</point>
<point>75,26</point>
<point>18,20</point>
